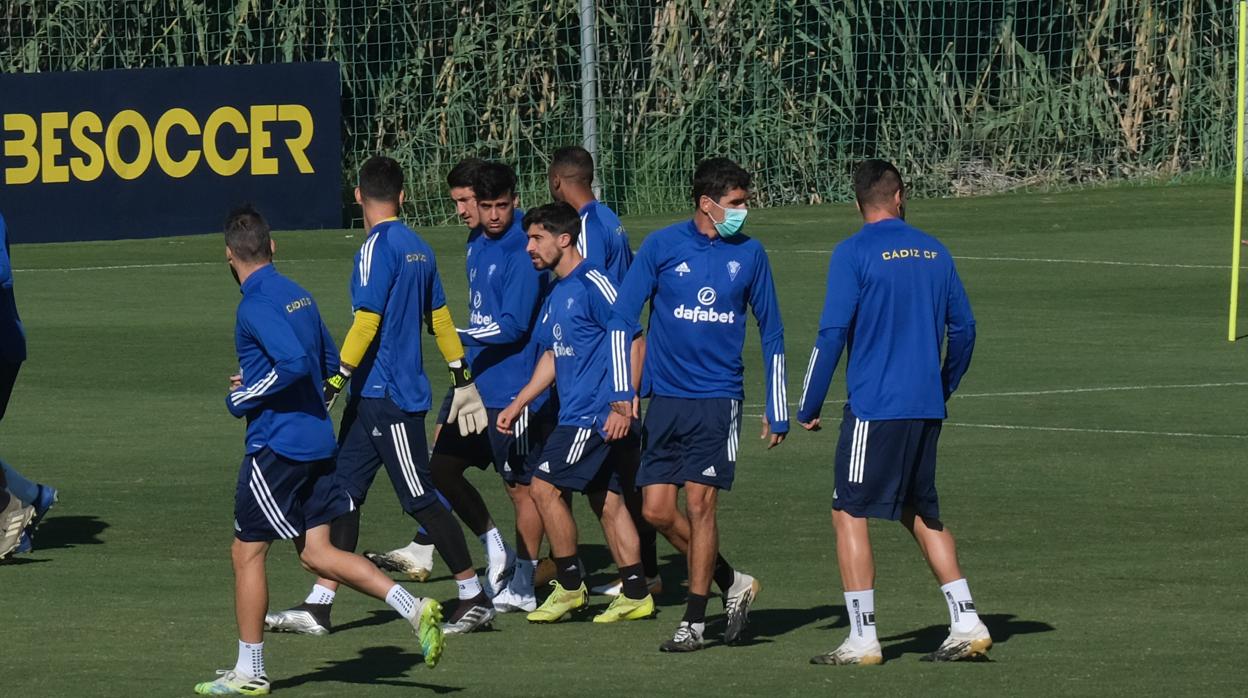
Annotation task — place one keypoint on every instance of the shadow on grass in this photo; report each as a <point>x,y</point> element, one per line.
<point>58,532</point>
<point>767,623</point>
<point>386,666</point>
<point>1003,626</point>
<point>375,617</point>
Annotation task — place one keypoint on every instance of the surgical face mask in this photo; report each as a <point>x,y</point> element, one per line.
<point>734,218</point>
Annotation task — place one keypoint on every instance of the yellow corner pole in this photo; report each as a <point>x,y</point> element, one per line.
<point>1239,166</point>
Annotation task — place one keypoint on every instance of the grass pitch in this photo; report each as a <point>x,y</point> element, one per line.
<point>1091,468</point>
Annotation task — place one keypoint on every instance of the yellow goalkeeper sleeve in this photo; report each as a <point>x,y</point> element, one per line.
<point>447,337</point>
<point>359,337</point>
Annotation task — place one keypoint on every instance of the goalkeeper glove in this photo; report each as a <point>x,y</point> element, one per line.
<point>467,409</point>
<point>334,385</point>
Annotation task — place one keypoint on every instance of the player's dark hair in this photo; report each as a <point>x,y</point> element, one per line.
<point>573,162</point>
<point>461,174</point>
<point>381,179</point>
<point>493,181</point>
<point>247,235</point>
<point>716,177</point>
<point>559,218</point>
<point>876,182</point>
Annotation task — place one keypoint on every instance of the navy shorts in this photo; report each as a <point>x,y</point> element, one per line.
<point>279,498</point>
<point>514,457</point>
<point>884,466</point>
<point>690,440</point>
<point>577,458</point>
<point>379,433</point>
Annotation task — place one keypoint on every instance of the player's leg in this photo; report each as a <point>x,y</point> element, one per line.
<point>401,442</point>
<point>569,593</point>
<point>968,638</point>
<point>424,614</point>
<point>626,463</point>
<point>866,481</point>
<point>265,502</point>
<point>41,498</point>
<point>714,428</point>
<point>634,601</point>
<point>8,377</point>
<point>355,468</point>
<point>519,454</point>
<point>452,455</point>
<point>414,560</point>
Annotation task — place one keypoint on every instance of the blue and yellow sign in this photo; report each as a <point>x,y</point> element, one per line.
<point>146,153</point>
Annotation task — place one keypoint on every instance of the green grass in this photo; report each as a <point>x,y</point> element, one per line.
<point>1104,562</point>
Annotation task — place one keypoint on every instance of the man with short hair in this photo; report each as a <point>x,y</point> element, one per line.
<point>286,485</point>
<point>415,560</point>
<point>593,449</point>
<point>603,242</point>
<point>699,276</point>
<point>504,292</point>
<point>895,291</point>
<point>395,287</point>
<point>23,503</point>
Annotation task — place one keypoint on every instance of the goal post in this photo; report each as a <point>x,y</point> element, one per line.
<point>1238,225</point>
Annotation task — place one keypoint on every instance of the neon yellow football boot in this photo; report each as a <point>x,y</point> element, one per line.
<point>624,608</point>
<point>560,604</point>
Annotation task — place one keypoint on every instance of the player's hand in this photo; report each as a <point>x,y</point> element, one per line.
<point>236,382</point>
<point>776,439</point>
<point>468,411</point>
<point>333,386</point>
<point>624,408</point>
<point>812,425</point>
<point>617,426</point>
<point>636,407</point>
<point>506,418</point>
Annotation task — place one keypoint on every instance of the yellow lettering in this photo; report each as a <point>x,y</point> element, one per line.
<point>225,167</point>
<point>22,148</point>
<point>89,168</point>
<point>886,256</point>
<point>261,139</point>
<point>128,118</point>
<point>299,144</point>
<point>50,147</point>
<point>185,120</point>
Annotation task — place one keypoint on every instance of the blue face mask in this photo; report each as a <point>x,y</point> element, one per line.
<point>734,218</point>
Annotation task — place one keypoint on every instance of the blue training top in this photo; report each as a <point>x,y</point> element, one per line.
<point>893,292</point>
<point>698,290</point>
<point>285,352</point>
<point>603,241</point>
<point>396,276</point>
<point>504,295</point>
<point>574,326</point>
<point>12,335</point>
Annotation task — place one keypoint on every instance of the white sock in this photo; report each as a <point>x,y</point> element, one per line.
<point>320,595</point>
<point>401,600</point>
<point>860,605</point>
<point>495,548</point>
<point>962,615</point>
<point>525,570</point>
<point>250,659</point>
<point>468,588</point>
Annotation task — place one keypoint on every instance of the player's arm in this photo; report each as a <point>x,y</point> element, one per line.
<point>515,319</point>
<point>839,307</point>
<point>467,407</point>
<point>370,288</point>
<point>766,310</point>
<point>961,335</point>
<point>637,288</point>
<point>290,364</point>
<point>543,377</point>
